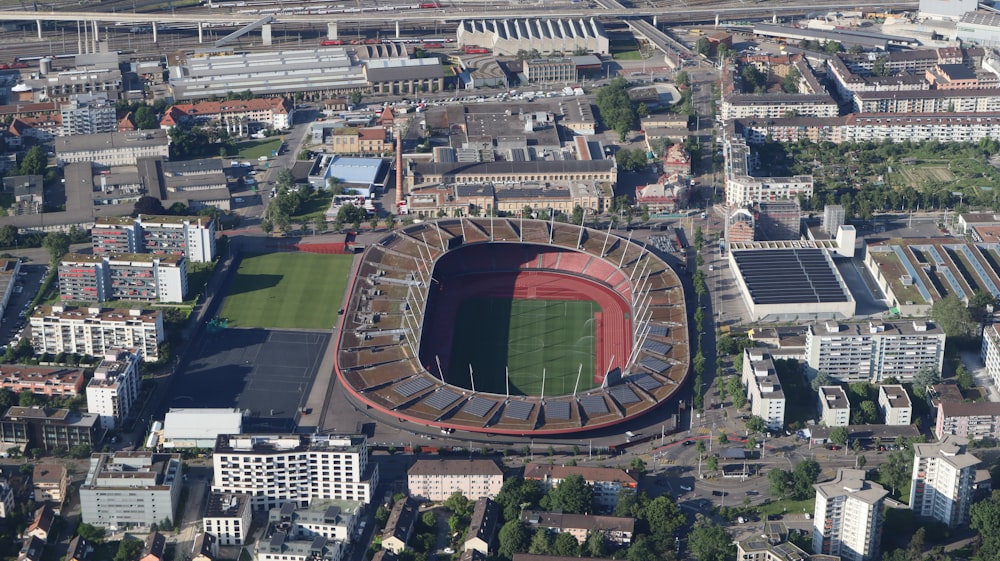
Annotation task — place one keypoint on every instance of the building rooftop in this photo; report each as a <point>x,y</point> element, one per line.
<point>852,483</point>
<point>455,467</point>
<point>49,473</point>
<point>896,395</point>
<point>834,397</point>
<point>546,471</point>
<point>48,375</point>
<point>562,521</point>
<point>226,505</point>
<point>50,416</point>
<point>970,409</point>
<point>109,141</point>
<point>951,449</point>
<point>270,444</point>
<point>96,314</point>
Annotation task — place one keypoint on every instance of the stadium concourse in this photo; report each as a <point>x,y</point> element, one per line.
<point>387,362</point>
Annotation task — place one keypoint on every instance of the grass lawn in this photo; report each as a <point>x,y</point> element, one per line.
<point>526,336</point>
<point>315,206</point>
<point>257,148</point>
<point>287,290</point>
<point>787,506</point>
<point>902,494</point>
<point>627,55</point>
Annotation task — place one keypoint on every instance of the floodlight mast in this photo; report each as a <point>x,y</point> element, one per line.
<point>578,373</point>
<point>472,378</point>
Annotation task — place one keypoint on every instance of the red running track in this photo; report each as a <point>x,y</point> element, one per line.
<point>612,330</point>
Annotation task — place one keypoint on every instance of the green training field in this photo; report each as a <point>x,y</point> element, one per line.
<point>282,290</point>
<point>525,336</point>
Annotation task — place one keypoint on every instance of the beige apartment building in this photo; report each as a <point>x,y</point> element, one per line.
<point>436,480</point>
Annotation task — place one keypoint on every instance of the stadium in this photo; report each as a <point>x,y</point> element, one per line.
<point>514,327</point>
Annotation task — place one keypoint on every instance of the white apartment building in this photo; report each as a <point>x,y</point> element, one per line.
<point>895,404</point>
<point>149,277</point>
<point>112,148</point>
<point>282,547</point>
<point>128,489</point>
<point>190,236</point>
<point>743,189</point>
<point>436,480</point>
<point>773,106</point>
<point>604,482</point>
<point>834,407</point>
<point>88,114</point>
<point>873,351</point>
<point>944,475</point>
<point>276,469</point>
<point>848,517</point>
<point>991,352</point>
<point>764,393</point>
<point>114,388</point>
<point>333,520</point>
<point>96,331</point>
<point>928,101</point>
<point>228,517</point>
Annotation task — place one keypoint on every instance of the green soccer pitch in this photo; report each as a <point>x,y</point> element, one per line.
<point>288,290</point>
<point>526,336</point>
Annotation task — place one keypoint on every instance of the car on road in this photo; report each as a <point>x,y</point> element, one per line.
<point>719,493</point>
<point>688,443</point>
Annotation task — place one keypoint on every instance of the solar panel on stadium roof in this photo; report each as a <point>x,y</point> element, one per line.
<point>594,404</point>
<point>518,410</point>
<point>623,394</point>
<point>557,410</point>
<point>478,406</point>
<point>654,364</point>
<point>442,399</point>
<point>658,330</point>
<point>656,347</point>
<point>647,382</point>
<point>805,276</point>
<point>413,386</point>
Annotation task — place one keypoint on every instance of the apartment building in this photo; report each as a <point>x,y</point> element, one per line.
<point>6,498</point>
<point>604,482</point>
<point>436,480</point>
<point>280,546</point>
<point>764,393</point>
<point>895,404</point>
<point>114,389</point>
<point>399,528</point>
<point>873,351</point>
<point>333,520</point>
<point>49,483</point>
<point>190,236</point>
<point>41,380</point>
<point>48,429</point>
<point>835,409</point>
<point>617,530</point>
<point>772,106</point>
<point>990,352</point>
<point>88,114</point>
<point>83,278</point>
<point>129,489</point>
<point>875,127</point>
<point>847,520</point>
<point>127,276</point>
<point>761,549</point>
<point>743,189</point>
<point>112,148</point>
<point>944,476</point>
<point>239,116</point>
<point>980,100</point>
<point>275,469</point>
<point>228,517</point>
<point>358,141</point>
<point>974,421</point>
<point>9,270</point>
<point>483,527</point>
<point>96,331</point>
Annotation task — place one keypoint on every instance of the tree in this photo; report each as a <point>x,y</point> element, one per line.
<point>128,550</point>
<point>145,118</point>
<point>710,542</point>
<point>458,504</point>
<point>148,205</point>
<point>381,515</point>
<point>578,215</point>
<point>703,46</point>
<point>90,532</point>
<point>964,377</point>
<point>723,438</point>
<point>356,98</point>
<point>839,436</point>
<point>755,424</point>
<point>565,545</point>
<point>429,520</point>
<point>513,538</point>
<point>57,243</point>
<point>615,106</point>
<point>34,162</point>
<point>541,542</point>
<point>8,235</point>
<point>804,477</point>
<point>682,78</point>
<point>778,483</point>
<point>861,462</point>
<point>285,178</point>
<point>985,519</point>
<point>712,463</point>
<point>572,496</point>
<point>953,316</point>
<point>821,379</point>
<point>27,399</point>
<point>637,465</point>
<point>700,448</point>
<point>896,470</point>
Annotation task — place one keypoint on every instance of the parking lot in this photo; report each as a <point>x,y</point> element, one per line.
<point>14,322</point>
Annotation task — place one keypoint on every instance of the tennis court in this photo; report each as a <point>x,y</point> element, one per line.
<point>526,337</point>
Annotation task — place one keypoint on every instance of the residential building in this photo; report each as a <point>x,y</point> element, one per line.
<point>228,517</point>
<point>604,482</point>
<point>114,388</point>
<point>83,278</point>
<point>974,421</point>
<point>353,141</point>
<point>190,236</point>
<point>239,117</point>
<point>126,276</point>
<point>764,393</point>
<point>41,524</point>
<point>743,189</point>
<point>128,489</point>
<point>895,404</point>
<point>27,192</point>
<point>847,520</point>
<point>944,478</point>
<point>318,466</point>
<point>549,70</point>
<point>399,528</point>
<point>779,220</point>
<point>96,331</point>
<point>835,409</point>
<point>761,549</point>
<point>436,480</point>
<point>48,429</point>
<point>88,114</point>
<point>80,549</point>
<point>991,352</point>
<point>50,381</point>
<point>676,160</point>
<point>31,549</point>
<point>483,527</point>
<point>205,548</point>
<point>6,498</point>
<point>112,148</point>
<point>873,351</point>
<point>280,546</point>
<point>116,234</point>
<point>49,483</point>
<point>980,100</point>
<point>154,547</point>
<point>617,530</point>
<point>9,271</point>
<point>333,520</point>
